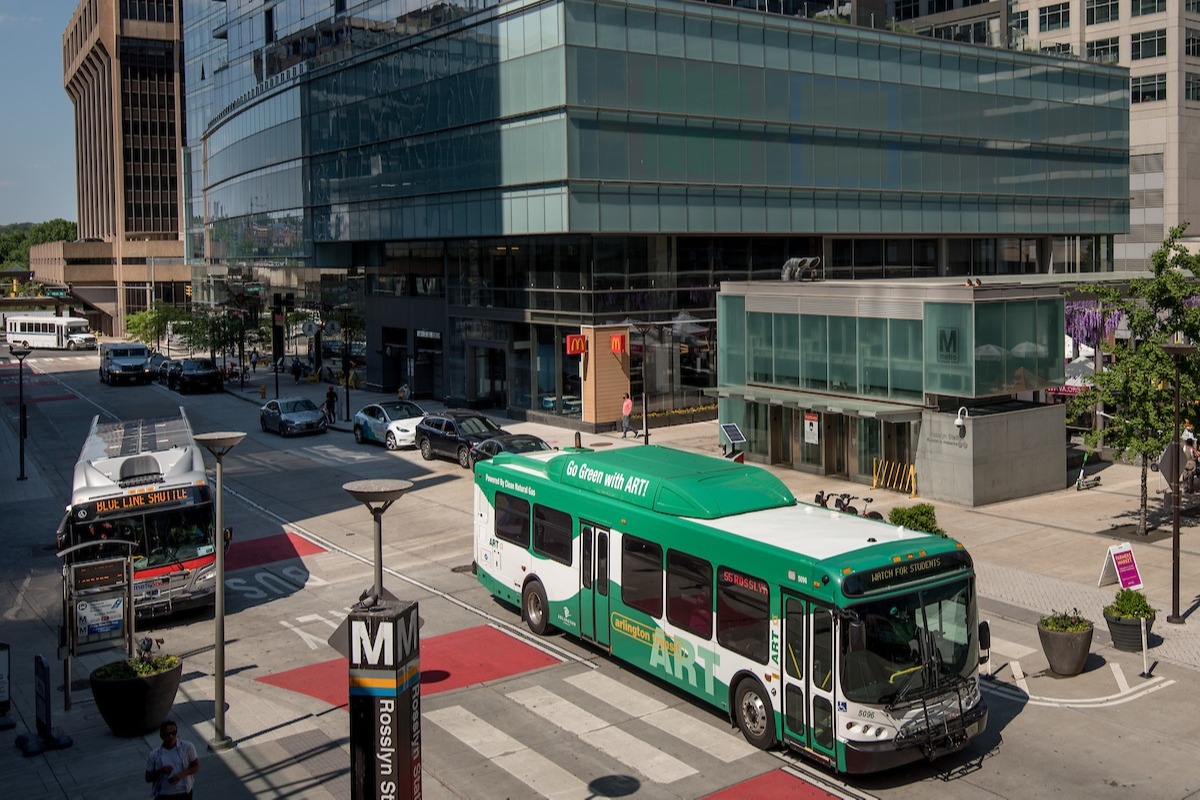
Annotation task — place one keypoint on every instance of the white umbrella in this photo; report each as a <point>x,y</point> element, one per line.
<point>1069,347</point>
<point>1029,350</point>
<point>989,352</point>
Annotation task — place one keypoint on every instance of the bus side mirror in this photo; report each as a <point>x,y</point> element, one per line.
<point>985,642</point>
<point>228,537</point>
<point>857,635</point>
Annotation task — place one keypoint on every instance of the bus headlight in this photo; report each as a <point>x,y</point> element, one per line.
<point>206,574</point>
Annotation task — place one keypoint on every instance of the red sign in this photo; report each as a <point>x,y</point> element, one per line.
<point>576,344</point>
<point>617,343</point>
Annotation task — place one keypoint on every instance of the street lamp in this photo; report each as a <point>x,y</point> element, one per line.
<point>219,444</point>
<point>643,328</point>
<point>378,495</point>
<point>346,308</point>
<point>1178,353</point>
<point>19,353</point>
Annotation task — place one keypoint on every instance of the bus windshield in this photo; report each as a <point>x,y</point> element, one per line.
<point>77,327</point>
<point>161,538</point>
<point>916,644</point>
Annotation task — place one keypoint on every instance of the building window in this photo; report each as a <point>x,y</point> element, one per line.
<point>1148,44</point>
<point>1192,42</point>
<point>1057,49</point>
<point>1106,51</point>
<point>1192,88</point>
<point>1140,8</point>
<point>1099,11</point>
<point>939,6</point>
<point>1192,6</point>
<point>1020,21</point>
<point>911,9</point>
<point>1147,88</point>
<point>1055,17</point>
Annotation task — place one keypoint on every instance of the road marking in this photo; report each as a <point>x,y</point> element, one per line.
<point>605,737</point>
<point>18,603</point>
<point>1011,648</point>
<point>615,693</point>
<point>1122,684</point>
<point>722,745</point>
<point>1121,697</point>
<point>1019,676</point>
<point>534,770</point>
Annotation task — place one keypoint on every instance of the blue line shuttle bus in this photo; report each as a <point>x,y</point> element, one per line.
<point>853,641</point>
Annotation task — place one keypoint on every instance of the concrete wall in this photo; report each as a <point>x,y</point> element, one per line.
<point>993,457</point>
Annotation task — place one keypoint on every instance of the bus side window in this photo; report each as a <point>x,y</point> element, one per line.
<point>642,575</point>
<point>743,614</point>
<point>689,593</point>
<point>512,519</point>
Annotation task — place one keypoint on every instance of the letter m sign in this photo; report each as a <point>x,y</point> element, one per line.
<point>947,345</point>
<point>372,649</point>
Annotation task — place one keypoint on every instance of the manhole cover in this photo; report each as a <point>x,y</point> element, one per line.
<point>461,569</point>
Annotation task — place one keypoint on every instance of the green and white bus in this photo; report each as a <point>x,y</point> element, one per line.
<point>851,640</point>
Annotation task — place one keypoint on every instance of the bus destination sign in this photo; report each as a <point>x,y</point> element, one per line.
<point>902,572</point>
<point>142,501</point>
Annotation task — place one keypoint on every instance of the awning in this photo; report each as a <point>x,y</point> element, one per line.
<point>830,404</point>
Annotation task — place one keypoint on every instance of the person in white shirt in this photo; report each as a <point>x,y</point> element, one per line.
<point>171,767</point>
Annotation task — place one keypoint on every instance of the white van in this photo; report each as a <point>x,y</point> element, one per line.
<point>45,330</point>
<point>124,361</point>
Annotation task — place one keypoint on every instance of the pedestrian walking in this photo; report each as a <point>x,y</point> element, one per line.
<point>331,405</point>
<point>626,412</point>
<point>297,368</point>
<point>171,767</point>
<point>254,360</point>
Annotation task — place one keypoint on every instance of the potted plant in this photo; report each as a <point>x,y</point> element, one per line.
<point>1124,616</point>
<point>1066,640</point>
<point>135,695</point>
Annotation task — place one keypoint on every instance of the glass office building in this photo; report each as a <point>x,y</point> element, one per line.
<point>482,179</point>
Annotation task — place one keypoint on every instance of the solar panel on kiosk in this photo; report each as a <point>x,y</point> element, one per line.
<point>733,433</point>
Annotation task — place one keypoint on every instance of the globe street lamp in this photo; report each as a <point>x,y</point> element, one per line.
<point>378,496</point>
<point>19,353</point>
<point>1178,354</point>
<point>219,444</point>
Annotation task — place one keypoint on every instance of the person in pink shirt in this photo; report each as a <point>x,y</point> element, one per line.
<point>626,412</point>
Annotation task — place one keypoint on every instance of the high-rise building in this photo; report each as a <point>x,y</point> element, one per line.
<point>121,71</point>
<point>1159,42</point>
<point>482,179</point>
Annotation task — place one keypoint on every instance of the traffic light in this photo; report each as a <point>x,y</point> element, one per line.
<point>187,290</point>
<point>240,299</point>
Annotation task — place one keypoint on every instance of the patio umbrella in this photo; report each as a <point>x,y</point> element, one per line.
<point>1030,350</point>
<point>989,352</point>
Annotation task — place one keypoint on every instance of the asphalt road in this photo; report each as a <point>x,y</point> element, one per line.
<point>1091,736</point>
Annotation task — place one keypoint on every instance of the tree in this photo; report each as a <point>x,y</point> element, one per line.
<point>1138,386</point>
<point>150,326</point>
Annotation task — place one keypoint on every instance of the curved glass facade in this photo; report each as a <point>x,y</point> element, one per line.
<point>499,175</point>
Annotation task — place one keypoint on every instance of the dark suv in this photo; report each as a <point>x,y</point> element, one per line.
<point>453,434</point>
<point>192,374</point>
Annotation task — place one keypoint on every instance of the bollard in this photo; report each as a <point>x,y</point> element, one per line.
<point>262,392</point>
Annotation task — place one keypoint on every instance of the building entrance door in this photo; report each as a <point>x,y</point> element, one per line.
<point>837,443</point>
<point>490,377</point>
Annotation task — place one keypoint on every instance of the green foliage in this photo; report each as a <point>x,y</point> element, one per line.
<point>150,326</point>
<point>1130,604</point>
<point>1062,622</point>
<point>139,666</point>
<point>920,517</point>
<point>1137,388</point>
<point>15,240</point>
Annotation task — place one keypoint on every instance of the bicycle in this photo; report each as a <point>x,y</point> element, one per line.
<point>822,499</point>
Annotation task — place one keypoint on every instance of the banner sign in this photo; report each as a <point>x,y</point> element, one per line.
<point>1120,566</point>
<point>617,343</point>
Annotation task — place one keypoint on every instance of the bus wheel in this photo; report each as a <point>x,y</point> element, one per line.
<point>754,714</point>
<point>533,603</point>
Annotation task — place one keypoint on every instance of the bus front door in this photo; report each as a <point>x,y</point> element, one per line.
<point>593,582</point>
<point>809,675</point>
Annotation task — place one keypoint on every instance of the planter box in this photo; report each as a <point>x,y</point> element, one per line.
<point>135,706</point>
<point>1127,633</point>
<point>1067,652</point>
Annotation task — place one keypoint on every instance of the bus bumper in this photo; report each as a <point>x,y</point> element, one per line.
<point>863,757</point>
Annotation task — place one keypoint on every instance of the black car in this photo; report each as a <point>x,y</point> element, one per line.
<point>193,374</point>
<point>453,434</point>
<point>509,443</point>
<point>154,365</point>
<point>164,369</point>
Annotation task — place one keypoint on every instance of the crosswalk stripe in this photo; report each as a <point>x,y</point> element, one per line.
<point>1011,648</point>
<point>612,741</point>
<point>719,744</point>
<point>534,770</point>
<point>616,694</point>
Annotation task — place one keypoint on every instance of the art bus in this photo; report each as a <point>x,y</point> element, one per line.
<point>142,481</point>
<point>45,331</point>
<point>853,641</point>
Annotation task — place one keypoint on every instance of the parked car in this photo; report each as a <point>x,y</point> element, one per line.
<point>392,424</point>
<point>153,365</point>
<point>453,433</point>
<point>192,374</point>
<point>512,443</point>
<point>164,369</point>
<point>288,416</point>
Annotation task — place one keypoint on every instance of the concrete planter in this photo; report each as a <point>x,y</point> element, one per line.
<point>1067,651</point>
<point>133,706</point>
<point>1126,632</point>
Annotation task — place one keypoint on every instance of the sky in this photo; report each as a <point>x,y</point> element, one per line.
<point>37,120</point>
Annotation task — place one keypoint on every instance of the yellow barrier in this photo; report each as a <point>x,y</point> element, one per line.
<point>894,475</point>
